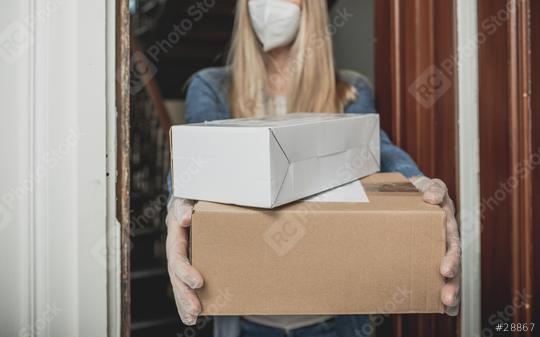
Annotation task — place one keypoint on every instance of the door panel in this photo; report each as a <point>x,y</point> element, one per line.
<point>420,34</point>
<point>416,97</point>
<point>494,156</point>
<point>535,109</point>
<point>508,111</point>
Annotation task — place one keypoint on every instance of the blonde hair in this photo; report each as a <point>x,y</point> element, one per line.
<point>314,86</point>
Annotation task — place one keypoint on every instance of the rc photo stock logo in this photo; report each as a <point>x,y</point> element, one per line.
<point>42,322</point>
<point>430,86</point>
<point>283,235</point>
<point>141,72</point>
<point>15,40</point>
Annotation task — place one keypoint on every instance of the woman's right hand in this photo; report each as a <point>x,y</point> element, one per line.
<point>184,278</point>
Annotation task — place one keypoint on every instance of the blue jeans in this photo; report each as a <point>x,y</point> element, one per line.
<point>339,326</point>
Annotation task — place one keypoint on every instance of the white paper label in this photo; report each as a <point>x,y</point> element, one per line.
<point>352,192</point>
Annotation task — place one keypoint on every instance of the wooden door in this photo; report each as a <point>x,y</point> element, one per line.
<point>416,97</point>
<point>510,156</point>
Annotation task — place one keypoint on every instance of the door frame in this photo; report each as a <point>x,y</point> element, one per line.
<point>123,108</point>
<point>469,166</point>
<point>58,115</point>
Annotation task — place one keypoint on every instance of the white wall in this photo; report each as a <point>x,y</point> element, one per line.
<point>14,216</point>
<point>53,184</point>
<point>353,42</point>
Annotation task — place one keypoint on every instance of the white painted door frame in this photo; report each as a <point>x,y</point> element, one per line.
<point>57,94</point>
<point>469,166</point>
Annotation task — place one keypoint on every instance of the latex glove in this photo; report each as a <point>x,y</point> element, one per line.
<point>184,278</point>
<point>436,193</point>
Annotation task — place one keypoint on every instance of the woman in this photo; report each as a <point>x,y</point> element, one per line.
<point>281,61</point>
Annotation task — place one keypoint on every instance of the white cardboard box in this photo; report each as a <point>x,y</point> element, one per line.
<point>270,161</point>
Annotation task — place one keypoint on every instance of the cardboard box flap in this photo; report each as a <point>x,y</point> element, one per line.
<point>378,203</point>
<point>314,151</point>
<point>395,183</point>
<point>279,166</point>
<point>386,192</point>
<point>384,178</point>
<point>297,142</point>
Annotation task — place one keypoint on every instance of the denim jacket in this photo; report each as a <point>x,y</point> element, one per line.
<point>207,99</point>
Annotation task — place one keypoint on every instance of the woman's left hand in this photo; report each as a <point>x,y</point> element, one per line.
<point>436,193</point>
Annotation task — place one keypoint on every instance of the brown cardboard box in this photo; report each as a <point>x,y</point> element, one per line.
<point>322,258</point>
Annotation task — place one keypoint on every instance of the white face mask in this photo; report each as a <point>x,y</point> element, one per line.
<point>275,22</point>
